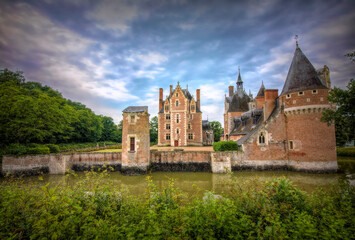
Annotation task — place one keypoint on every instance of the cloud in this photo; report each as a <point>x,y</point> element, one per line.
<point>148,59</point>
<point>114,15</point>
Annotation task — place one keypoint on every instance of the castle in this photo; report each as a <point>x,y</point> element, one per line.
<point>278,130</point>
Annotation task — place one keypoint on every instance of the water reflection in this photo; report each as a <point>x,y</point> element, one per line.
<point>219,183</point>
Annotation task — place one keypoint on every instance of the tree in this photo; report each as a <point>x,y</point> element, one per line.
<point>153,130</point>
<point>217,130</point>
<point>110,130</point>
<point>344,114</point>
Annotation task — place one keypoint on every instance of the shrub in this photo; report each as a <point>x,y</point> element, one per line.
<point>346,152</point>
<point>38,150</point>
<point>225,146</point>
<point>53,148</point>
<point>15,149</point>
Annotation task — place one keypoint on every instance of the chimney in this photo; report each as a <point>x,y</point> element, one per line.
<point>198,98</point>
<point>171,89</point>
<point>160,98</point>
<point>270,101</point>
<point>231,91</point>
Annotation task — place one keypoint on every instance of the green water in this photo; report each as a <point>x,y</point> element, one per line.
<point>189,182</point>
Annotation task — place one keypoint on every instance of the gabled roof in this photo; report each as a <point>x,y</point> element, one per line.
<point>186,93</point>
<point>135,109</point>
<point>239,104</point>
<point>261,92</point>
<point>301,75</point>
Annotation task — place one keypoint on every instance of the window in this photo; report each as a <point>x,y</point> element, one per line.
<point>177,103</point>
<point>190,116</point>
<point>288,95</point>
<point>191,136</point>
<point>177,94</point>
<point>167,116</point>
<point>189,126</point>
<point>261,138</point>
<point>177,118</point>
<point>193,108</point>
<point>300,93</point>
<point>132,142</point>
<point>321,99</point>
<point>167,126</point>
<point>166,107</point>
<point>314,91</point>
<point>133,118</point>
<point>308,99</point>
<point>177,131</point>
<point>167,136</point>
<point>291,145</point>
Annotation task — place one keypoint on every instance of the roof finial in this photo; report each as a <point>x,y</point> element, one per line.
<point>187,86</point>
<point>207,117</point>
<point>178,82</point>
<point>296,38</point>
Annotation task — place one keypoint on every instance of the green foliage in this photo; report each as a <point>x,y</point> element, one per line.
<point>217,130</point>
<point>38,150</point>
<point>153,130</point>
<point>53,148</point>
<point>93,209</point>
<point>346,152</point>
<point>223,146</point>
<point>32,113</point>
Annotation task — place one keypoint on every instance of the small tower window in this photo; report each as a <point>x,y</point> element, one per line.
<point>167,136</point>
<point>193,108</point>
<point>291,147</point>
<point>191,136</point>
<point>177,94</point>
<point>177,118</point>
<point>166,107</point>
<point>261,138</point>
<point>133,118</point>
<point>190,116</point>
<point>167,126</point>
<point>132,144</point>
<point>177,103</point>
<point>189,126</point>
<point>177,131</point>
<point>167,116</point>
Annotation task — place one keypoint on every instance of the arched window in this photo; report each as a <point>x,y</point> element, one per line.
<point>261,138</point>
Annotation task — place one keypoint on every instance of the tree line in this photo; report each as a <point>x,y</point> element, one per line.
<point>33,113</point>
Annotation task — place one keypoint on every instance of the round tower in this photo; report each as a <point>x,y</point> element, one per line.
<point>310,142</point>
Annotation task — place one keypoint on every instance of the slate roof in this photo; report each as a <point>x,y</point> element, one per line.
<point>239,78</point>
<point>301,75</point>
<point>239,104</point>
<point>135,109</point>
<point>206,125</point>
<point>261,92</point>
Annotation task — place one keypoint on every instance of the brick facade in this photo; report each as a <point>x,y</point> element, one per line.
<point>179,118</point>
<point>135,139</point>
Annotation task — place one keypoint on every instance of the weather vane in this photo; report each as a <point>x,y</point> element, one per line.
<point>296,38</point>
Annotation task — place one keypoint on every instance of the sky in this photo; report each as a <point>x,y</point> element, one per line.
<point>110,54</point>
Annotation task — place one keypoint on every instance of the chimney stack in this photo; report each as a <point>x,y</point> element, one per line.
<point>231,91</point>
<point>160,98</point>
<point>270,102</point>
<point>171,89</point>
<point>198,98</point>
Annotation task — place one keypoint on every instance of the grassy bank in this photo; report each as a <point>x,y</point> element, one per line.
<point>346,152</point>
<point>93,209</point>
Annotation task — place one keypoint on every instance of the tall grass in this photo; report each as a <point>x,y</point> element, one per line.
<point>93,209</point>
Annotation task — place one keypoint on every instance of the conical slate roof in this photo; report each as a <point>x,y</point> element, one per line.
<point>261,92</point>
<point>301,75</point>
<point>239,78</point>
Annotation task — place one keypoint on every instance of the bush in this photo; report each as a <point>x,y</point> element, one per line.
<point>346,152</point>
<point>53,148</point>
<point>225,146</point>
<point>38,150</point>
<point>15,149</point>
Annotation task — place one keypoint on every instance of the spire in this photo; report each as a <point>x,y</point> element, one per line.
<point>239,77</point>
<point>301,75</point>
<point>296,38</point>
<point>261,92</point>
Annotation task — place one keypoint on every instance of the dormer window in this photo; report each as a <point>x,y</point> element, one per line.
<point>300,93</point>
<point>314,91</point>
<point>177,94</point>
<point>193,108</point>
<point>177,103</point>
<point>166,107</point>
<point>288,96</point>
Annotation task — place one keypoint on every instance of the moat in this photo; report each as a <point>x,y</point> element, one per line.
<point>189,182</point>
